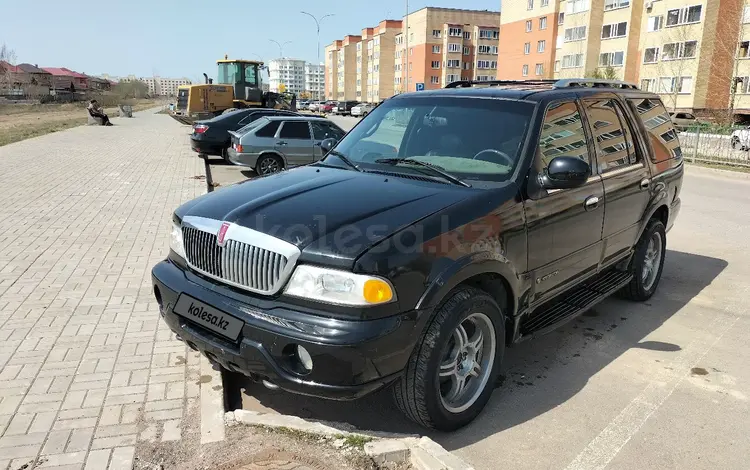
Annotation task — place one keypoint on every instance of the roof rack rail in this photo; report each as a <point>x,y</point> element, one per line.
<point>562,83</point>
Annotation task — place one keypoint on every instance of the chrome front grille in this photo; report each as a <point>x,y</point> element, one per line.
<point>236,263</point>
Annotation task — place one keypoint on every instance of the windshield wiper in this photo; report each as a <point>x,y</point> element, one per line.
<point>431,166</point>
<point>345,159</point>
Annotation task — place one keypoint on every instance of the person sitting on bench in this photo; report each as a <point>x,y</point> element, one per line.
<point>96,112</point>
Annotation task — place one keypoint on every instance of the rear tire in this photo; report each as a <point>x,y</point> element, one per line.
<point>268,165</point>
<point>736,144</point>
<point>464,343</point>
<point>647,263</point>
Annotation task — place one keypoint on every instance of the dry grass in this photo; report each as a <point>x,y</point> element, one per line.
<point>21,121</point>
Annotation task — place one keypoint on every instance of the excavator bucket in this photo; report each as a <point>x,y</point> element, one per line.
<point>182,119</point>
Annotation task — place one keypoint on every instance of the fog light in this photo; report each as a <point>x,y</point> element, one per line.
<point>304,358</point>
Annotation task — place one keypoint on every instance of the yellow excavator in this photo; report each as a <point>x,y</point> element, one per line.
<point>238,85</point>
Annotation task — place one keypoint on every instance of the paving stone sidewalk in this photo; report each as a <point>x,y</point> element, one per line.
<point>86,365</point>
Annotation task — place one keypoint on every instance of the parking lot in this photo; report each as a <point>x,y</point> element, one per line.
<point>663,384</point>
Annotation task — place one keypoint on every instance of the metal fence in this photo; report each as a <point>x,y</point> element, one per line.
<point>722,145</point>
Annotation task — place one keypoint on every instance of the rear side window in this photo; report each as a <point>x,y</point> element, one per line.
<point>269,130</point>
<point>562,134</point>
<point>661,133</point>
<point>324,130</point>
<point>614,144</point>
<point>295,130</point>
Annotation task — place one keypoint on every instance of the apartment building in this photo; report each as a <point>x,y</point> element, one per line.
<point>315,80</point>
<point>528,38</point>
<point>287,72</point>
<point>161,86</point>
<point>691,52</point>
<point>444,45</point>
<point>346,69</point>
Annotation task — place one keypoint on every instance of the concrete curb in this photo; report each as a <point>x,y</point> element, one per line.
<point>211,403</point>
<point>384,449</point>
<point>697,168</point>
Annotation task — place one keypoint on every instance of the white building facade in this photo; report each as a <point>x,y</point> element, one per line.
<point>287,72</point>
<point>315,77</point>
<point>160,86</point>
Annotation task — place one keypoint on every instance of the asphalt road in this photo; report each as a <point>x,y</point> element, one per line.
<point>662,384</point>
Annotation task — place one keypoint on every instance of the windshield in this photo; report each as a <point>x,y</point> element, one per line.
<point>472,138</point>
<point>252,125</point>
<point>229,73</point>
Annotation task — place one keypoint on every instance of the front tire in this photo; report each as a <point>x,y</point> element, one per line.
<point>452,371</point>
<point>268,165</point>
<point>647,263</point>
<point>736,143</point>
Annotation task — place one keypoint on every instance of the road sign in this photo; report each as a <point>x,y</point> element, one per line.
<point>420,86</point>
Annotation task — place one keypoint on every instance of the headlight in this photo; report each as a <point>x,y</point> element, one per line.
<point>175,241</point>
<point>339,287</point>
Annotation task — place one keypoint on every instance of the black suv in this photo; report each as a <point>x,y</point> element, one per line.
<point>445,227</point>
<point>345,107</point>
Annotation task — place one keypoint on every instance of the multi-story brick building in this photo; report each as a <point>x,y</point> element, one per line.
<point>689,51</point>
<point>444,45</point>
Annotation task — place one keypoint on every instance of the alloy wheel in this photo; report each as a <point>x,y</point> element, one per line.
<point>651,261</point>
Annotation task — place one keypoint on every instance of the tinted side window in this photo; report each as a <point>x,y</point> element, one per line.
<point>661,133</point>
<point>562,134</point>
<point>252,117</point>
<point>324,130</point>
<point>613,143</point>
<point>295,130</point>
<point>269,130</point>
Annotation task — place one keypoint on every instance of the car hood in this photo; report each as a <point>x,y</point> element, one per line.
<point>332,215</point>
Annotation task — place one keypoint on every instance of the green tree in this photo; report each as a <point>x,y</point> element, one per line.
<point>130,90</point>
<point>604,73</point>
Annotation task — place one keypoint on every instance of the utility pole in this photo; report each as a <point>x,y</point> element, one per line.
<point>317,26</point>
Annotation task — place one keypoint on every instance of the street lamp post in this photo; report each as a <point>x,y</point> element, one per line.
<point>281,46</point>
<point>317,27</point>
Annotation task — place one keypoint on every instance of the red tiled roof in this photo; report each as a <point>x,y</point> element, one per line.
<point>63,72</point>
<point>12,68</point>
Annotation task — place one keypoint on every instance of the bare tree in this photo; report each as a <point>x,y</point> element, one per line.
<point>7,55</point>
<point>675,56</point>
<point>730,42</point>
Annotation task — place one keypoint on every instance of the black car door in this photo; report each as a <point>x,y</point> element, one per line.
<point>564,226</point>
<point>624,173</point>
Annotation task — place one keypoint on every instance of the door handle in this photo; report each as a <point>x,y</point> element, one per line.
<point>591,203</point>
<point>645,183</point>
<point>281,142</point>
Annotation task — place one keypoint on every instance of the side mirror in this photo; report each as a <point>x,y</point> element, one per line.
<point>565,172</point>
<point>327,144</point>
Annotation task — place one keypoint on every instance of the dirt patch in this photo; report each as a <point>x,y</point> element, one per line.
<point>250,448</point>
<point>21,121</point>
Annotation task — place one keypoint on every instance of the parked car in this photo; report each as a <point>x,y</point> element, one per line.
<point>345,107</point>
<point>314,105</point>
<point>211,136</point>
<point>741,138</point>
<point>303,105</point>
<point>328,106</point>
<point>362,109</point>
<point>414,254</point>
<point>684,121</point>
<point>275,143</point>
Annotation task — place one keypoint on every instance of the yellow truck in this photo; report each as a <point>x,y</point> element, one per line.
<point>238,85</point>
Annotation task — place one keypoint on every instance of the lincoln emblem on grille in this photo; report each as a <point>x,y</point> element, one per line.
<point>222,233</point>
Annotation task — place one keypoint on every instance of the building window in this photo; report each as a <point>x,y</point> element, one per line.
<point>436,49</point>
<point>613,4</point>
<point>528,26</point>
<point>467,51</point>
<point>561,17</point>
<point>541,45</point>
<point>525,70</point>
<point>527,48</point>
<point>679,50</point>
<point>576,6</point>
<point>455,32</point>
<point>486,64</point>
<point>436,33</point>
<point>483,49</point>
<point>453,64</point>
<point>572,61</point>
<point>539,69</point>
<point>575,34</point>
<point>452,78</point>
<point>651,55</point>
<point>529,4</point>
<point>454,47</point>
<point>746,15</point>
<point>489,34</point>
<point>685,15</point>
<point>467,65</point>
<point>467,35</point>
<point>744,51</point>
<point>616,30</point>
<point>435,80</point>
<point>543,22</point>
<point>557,66</point>
<point>545,3</point>
<point>655,23</point>
<point>611,59</point>
<point>683,85</point>
<point>435,64</point>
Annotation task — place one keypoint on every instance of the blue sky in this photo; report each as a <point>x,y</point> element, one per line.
<point>176,39</point>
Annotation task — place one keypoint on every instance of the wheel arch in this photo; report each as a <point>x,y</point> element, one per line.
<point>272,153</point>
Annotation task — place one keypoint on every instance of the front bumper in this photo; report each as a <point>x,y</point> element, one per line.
<point>242,159</point>
<point>350,358</point>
